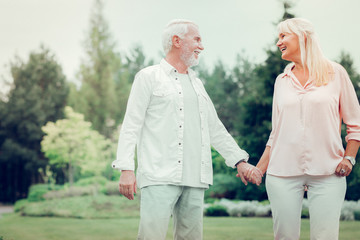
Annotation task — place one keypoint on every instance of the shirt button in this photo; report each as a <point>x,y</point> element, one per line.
<point>176,78</point>
<point>180,109</point>
<point>179,143</point>
<point>180,126</point>
<point>179,161</point>
<point>179,92</point>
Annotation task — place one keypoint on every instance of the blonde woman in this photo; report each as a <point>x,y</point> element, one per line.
<point>311,98</point>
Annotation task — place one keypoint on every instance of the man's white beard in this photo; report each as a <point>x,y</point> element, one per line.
<point>189,58</point>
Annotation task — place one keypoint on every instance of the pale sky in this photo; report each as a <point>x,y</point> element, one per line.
<point>227,27</point>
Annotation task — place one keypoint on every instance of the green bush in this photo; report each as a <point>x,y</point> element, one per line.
<point>305,213</point>
<point>72,192</point>
<point>210,200</point>
<point>357,215</point>
<point>36,192</point>
<point>216,211</point>
<point>225,186</point>
<point>19,205</point>
<point>99,206</point>
<point>110,188</point>
<point>97,180</point>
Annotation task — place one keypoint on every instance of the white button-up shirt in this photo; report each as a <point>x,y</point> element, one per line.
<point>153,123</point>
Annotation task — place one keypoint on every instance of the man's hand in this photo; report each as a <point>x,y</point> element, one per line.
<point>248,172</point>
<point>127,184</point>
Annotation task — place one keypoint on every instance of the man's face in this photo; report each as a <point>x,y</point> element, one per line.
<point>191,47</point>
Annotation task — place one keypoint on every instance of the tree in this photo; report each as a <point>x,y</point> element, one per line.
<point>255,126</point>
<point>71,143</point>
<point>38,95</point>
<point>97,75</point>
<point>353,180</point>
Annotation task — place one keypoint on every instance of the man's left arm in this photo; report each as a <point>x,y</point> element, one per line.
<point>225,144</point>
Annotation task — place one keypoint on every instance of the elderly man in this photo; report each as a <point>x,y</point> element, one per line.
<point>173,123</point>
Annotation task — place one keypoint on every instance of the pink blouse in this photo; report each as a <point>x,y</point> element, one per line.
<point>306,124</point>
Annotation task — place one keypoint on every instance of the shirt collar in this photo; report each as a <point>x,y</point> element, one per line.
<point>168,68</point>
<point>287,70</point>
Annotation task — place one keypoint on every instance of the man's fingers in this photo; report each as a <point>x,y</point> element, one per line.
<point>127,191</point>
<point>243,179</point>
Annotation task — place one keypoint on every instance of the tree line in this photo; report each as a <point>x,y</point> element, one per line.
<point>52,130</point>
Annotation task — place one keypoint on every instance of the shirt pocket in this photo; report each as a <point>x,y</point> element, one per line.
<point>163,96</point>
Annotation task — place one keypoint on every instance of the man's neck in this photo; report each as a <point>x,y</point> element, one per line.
<point>177,63</point>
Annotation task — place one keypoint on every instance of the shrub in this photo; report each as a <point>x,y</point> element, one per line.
<point>72,192</point>
<point>250,209</point>
<point>99,206</point>
<point>19,205</point>
<point>110,188</point>
<point>216,211</point>
<point>305,213</point>
<point>210,200</point>
<point>349,210</point>
<point>37,192</point>
<point>97,180</point>
<point>225,186</point>
<point>357,215</point>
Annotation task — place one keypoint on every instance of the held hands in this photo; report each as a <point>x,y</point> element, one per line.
<point>249,173</point>
<point>344,168</point>
<point>127,184</point>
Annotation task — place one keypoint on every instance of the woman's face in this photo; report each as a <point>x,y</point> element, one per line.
<point>289,46</point>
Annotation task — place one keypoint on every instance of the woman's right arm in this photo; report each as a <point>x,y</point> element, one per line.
<point>264,160</point>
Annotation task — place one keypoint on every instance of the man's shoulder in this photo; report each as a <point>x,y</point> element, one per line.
<point>149,70</point>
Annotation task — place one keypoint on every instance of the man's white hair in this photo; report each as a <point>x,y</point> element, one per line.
<point>176,27</point>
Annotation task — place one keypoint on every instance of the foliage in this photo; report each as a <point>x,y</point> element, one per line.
<point>231,187</point>
<point>110,188</point>
<point>97,95</point>
<point>216,211</point>
<point>96,180</point>
<point>37,96</point>
<point>350,210</point>
<point>244,208</point>
<point>37,192</point>
<point>20,204</point>
<point>353,180</point>
<point>72,143</point>
<point>98,206</point>
<point>224,186</point>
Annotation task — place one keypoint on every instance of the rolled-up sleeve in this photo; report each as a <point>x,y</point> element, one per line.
<point>349,107</point>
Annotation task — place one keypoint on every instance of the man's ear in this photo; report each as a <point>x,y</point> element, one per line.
<point>176,41</point>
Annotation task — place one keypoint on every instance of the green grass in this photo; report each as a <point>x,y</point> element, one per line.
<point>15,227</point>
<point>99,206</point>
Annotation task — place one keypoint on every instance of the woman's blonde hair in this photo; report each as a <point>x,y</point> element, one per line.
<point>311,55</point>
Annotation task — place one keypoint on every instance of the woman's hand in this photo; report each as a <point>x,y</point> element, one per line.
<point>344,168</point>
<point>249,173</point>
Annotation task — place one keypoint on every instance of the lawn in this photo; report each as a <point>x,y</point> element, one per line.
<point>15,227</point>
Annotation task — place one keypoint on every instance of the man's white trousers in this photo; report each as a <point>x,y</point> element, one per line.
<point>159,202</point>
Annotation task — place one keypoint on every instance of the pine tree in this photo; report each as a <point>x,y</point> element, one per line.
<point>97,74</point>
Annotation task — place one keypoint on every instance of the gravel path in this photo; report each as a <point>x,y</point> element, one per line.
<point>6,209</point>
